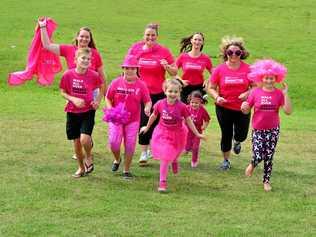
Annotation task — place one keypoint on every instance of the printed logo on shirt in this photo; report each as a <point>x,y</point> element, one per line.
<point>147,62</point>
<point>231,80</point>
<point>168,118</point>
<point>127,91</point>
<point>192,66</point>
<point>78,87</point>
<point>266,103</point>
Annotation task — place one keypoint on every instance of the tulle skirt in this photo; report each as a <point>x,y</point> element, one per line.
<point>168,144</point>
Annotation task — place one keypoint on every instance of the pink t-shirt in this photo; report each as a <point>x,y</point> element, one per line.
<point>231,84</point>
<point>171,116</point>
<point>69,51</point>
<point>266,108</point>
<point>151,71</point>
<point>81,86</point>
<point>198,116</point>
<point>133,94</point>
<point>193,68</point>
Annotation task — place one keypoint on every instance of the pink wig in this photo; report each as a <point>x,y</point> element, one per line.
<point>267,67</point>
<point>117,115</point>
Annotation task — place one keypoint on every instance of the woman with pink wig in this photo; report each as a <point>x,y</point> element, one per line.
<point>266,101</point>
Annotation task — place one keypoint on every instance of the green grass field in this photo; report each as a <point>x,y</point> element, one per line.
<point>38,197</point>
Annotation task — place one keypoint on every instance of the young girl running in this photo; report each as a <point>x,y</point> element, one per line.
<point>77,86</point>
<point>127,92</point>
<point>266,100</point>
<point>201,119</point>
<point>169,137</point>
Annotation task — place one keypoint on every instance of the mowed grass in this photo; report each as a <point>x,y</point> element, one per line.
<point>38,195</point>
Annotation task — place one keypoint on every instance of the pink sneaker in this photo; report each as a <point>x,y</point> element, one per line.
<point>162,186</point>
<point>194,164</point>
<point>175,167</point>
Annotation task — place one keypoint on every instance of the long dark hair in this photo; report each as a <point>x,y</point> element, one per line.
<point>91,43</point>
<point>186,45</point>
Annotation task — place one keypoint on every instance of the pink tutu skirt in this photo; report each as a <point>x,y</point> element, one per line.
<point>168,144</point>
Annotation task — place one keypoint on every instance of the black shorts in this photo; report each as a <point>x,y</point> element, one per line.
<point>78,123</point>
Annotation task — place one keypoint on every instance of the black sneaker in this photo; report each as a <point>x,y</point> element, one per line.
<point>237,147</point>
<point>127,175</point>
<point>115,166</point>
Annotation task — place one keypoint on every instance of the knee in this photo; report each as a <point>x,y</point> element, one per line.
<point>85,140</point>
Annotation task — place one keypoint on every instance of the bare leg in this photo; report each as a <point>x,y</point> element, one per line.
<point>80,156</point>
<point>87,145</point>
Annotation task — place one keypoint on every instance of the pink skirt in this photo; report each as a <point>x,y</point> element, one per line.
<point>168,144</point>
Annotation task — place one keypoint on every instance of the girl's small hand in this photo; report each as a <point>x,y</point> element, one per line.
<point>78,102</point>
<point>201,136</point>
<point>42,21</point>
<point>95,104</point>
<point>243,96</point>
<point>245,107</point>
<point>143,129</point>
<point>285,88</point>
<point>220,100</point>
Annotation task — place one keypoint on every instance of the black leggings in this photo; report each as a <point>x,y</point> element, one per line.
<point>233,124</point>
<point>144,139</point>
<point>186,91</point>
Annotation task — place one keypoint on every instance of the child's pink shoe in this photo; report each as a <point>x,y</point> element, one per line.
<point>175,167</point>
<point>162,186</point>
<point>194,164</point>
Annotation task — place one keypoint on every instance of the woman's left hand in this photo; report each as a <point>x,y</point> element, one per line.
<point>95,104</point>
<point>164,63</point>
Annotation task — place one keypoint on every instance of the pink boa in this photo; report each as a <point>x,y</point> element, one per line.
<point>267,67</point>
<point>117,115</point>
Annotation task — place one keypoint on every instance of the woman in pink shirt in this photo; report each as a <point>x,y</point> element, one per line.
<point>229,86</point>
<point>266,101</point>
<point>130,92</point>
<point>153,60</point>
<point>83,39</point>
<point>193,63</point>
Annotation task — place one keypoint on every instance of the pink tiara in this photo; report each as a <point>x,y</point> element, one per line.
<point>267,67</point>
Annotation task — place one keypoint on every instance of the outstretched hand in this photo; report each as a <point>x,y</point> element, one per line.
<point>143,129</point>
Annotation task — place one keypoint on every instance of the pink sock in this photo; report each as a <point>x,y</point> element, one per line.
<point>163,170</point>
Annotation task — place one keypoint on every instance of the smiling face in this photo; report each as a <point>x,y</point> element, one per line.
<point>150,37</point>
<point>195,103</point>
<point>83,60</point>
<point>268,81</point>
<point>130,73</point>
<point>233,53</point>
<point>197,41</point>
<point>83,39</point>
<point>172,92</point>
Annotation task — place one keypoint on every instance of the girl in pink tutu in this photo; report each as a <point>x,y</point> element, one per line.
<point>201,119</point>
<point>123,100</point>
<point>169,137</point>
<point>266,101</point>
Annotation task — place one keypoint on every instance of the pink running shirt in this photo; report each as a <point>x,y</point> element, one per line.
<point>133,94</point>
<point>266,108</point>
<point>193,68</point>
<point>171,116</point>
<point>231,84</point>
<point>69,51</point>
<point>81,86</point>
<point>151,71</point>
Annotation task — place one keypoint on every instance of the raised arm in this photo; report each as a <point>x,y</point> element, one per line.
<point>54,48</point>
<point>287,107</point>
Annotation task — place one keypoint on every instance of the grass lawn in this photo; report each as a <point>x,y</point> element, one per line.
<point>38,197</point>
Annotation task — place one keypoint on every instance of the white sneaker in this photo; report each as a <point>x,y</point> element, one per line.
<point>143,158</point>
<point>149,155</point>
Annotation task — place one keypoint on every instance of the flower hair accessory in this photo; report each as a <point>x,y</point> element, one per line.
<point>117,115</point>
<point>267,67</point>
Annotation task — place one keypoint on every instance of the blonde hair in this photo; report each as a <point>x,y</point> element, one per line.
<point>82,51</point>
<point>228,41</point>
<point>171,82</point>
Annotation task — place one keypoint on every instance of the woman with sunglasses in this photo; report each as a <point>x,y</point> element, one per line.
<point>83,39</point>
<point>193,63</point>
<point>229,86</point>
<point>154,61</point>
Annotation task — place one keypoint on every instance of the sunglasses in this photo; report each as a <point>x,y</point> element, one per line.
<point>236,52</point>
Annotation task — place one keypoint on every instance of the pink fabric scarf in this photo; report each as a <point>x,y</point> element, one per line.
<point>40,62</point>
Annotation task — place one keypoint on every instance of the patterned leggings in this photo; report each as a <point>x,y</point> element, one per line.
<point>263,147</point>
